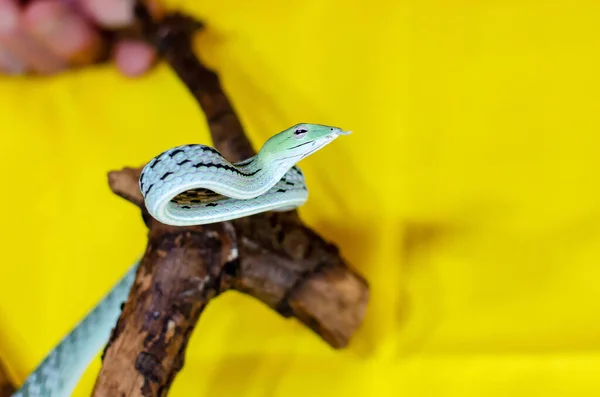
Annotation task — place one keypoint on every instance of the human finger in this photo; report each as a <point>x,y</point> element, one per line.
<point>10,63</point>
<point>63,30</point>
<point>110,13</point>
<point>133,58</point>
<point>15,39</point>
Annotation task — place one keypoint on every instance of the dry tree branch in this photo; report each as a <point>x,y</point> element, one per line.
<point>273,256</point>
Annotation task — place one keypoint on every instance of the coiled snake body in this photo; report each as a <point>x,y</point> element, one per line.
<point>187,185</point>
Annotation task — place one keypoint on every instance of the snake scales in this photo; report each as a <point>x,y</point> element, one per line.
<point>187,185</point>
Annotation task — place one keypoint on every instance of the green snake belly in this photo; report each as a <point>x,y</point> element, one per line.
<point>194,184</point>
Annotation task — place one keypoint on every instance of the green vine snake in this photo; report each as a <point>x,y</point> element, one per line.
<point>187,185</point>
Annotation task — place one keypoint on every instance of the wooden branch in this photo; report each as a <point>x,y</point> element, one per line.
<point>272,256</point>
<point>294,271</point>
<point>178,275</point>
<point>6,386</point>
<point>287,266</point>
<point>173,39</point>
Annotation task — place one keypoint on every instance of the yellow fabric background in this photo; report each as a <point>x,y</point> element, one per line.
<point>468,194</point>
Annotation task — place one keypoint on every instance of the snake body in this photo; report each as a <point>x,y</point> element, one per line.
<point>187,185</point>
<point>181,192</point>
<point>58,374</point>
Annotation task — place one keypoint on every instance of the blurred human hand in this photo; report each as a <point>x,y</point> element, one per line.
<point>49,36</point>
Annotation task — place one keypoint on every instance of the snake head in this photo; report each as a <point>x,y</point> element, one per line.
<point>295,143</point>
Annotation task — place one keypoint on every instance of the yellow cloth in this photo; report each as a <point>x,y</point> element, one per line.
<point>468,195</point>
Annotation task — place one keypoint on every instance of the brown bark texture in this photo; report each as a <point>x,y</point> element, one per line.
<point>272,256</point>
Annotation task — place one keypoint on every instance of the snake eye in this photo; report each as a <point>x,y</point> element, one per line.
<point>300,132</point>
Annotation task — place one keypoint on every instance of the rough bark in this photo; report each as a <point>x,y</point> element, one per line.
<point>273,256</point>
<point>295,271</point>
<point>180,272</point>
